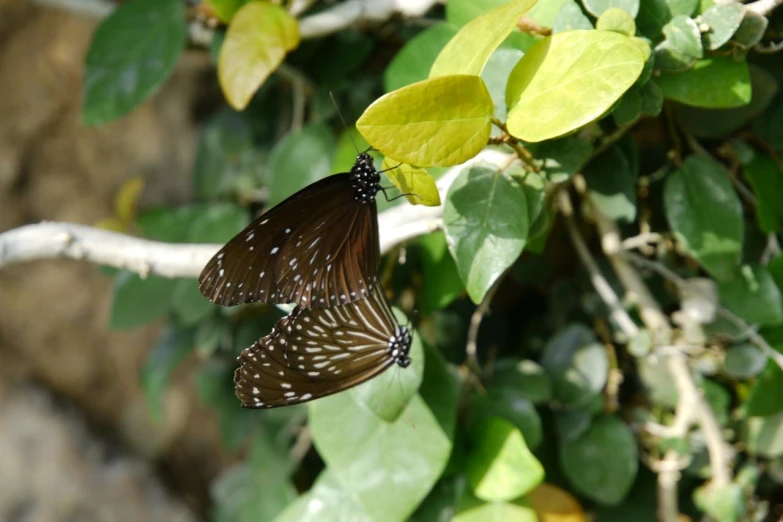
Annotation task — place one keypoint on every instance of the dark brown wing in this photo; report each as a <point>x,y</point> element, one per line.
<point>317,248</point>
<point>317,352</point>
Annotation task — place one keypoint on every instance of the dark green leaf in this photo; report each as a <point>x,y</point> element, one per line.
<point>137,301</point>
<point>653,15</point>
<point>169,225</point>
<point>215,385</point>
<point>753,295</point>
<point>651,98</point>
<point>511,406</point>
<point>751,30</point>
<point>298,160</point>
<point>563,157</point>
<point>440,505</point>
<point>602,464</point>
<point>572,424</point>
<point>571,18</point>
<point>486,223</point>
<point>612,184</point>
<point>440,277</point>
<point>628,108</point>
<point>132,53</point>
<point>744,361</point>
<point>173,345</point>
<point>724,20</point>
<point>500,466</point>
<point>763,436</point>
<point>682,46</point>
<point>705,214</point>
<point>766,178</point>
<point>188,303</point>
<point>471,509</point>
<point>718,399</point>
<point>577,364</point>
<point>682,7</point>
<point>217,223</point>
<point>413,62</point>
<point>717,82</point>
<point>597,7</point>
<point>523,377</point>
<point>764,396</point>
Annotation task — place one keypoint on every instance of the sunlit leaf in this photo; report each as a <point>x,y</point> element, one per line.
<point>715,82</point>
<point>412,180</point>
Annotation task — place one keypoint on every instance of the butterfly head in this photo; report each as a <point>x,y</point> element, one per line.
<point>366,181</point>
<point>400,346</point>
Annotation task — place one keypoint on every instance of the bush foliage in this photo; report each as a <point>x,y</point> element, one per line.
<point>616,241</point>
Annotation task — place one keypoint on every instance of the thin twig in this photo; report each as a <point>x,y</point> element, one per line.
<point>610,139</point>
<point>641,240</point>
<point>475,322</point>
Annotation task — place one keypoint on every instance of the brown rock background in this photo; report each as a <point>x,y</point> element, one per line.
<point>53,315</point>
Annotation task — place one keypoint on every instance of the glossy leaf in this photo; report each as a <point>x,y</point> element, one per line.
<point>500,466</point>
<point>437,122</point>
<point>172,346</point>
<point>766,178</point>
<point>618,20</point>
<point>682,46</point>
<point>485,217</point>
<point>299,159</point>
<point>715,82</point>
<point>132,53</point>
<point>137,301</point>
<point>753,295</point>
<point>705,214</point>
<point>257,41</point>
<point>412,180</point>
<point>568,80</point>
<point>598,7</point>
<point>724,20</point>
<point>413,62</point>
<point>469,50</point>
<point>577,365</point>
<point>602,464</point>
<point>611,181</point>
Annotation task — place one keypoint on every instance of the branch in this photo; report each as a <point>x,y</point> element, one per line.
<point>51,240</point>
<point>91,8</point>
<point>763,7</point>
<point>352,12</point>
<point>475,322</point>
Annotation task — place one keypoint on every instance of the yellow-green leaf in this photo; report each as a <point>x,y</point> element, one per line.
<point>471,47</point>
<point>412,180</point>
<point>256,43</point>
<point>568,80</point>
<point>127,198</point>
<point>442,121</point>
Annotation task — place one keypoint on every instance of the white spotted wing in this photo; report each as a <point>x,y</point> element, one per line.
<point>320,351</point>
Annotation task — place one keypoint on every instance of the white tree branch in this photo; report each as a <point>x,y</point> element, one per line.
<point>763,7</point>
<point>349,13</point>
<point>50,240</point>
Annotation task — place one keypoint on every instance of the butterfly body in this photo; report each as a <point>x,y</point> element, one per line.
<point>318,248</point>
<point>315,352</point>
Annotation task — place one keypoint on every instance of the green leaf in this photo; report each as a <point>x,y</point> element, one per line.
<point>725,503</point>
<point>568,80</point>
<point>412,180</point>
<point>705,214</point>
<point>764,396</point>
<point>612,184</point>
<point>718,399</point>
<point>602,464</point>
<point>617,20</point>
<point>486,222</point>
<point>440,505</point>
<point>508,404</point>
<point>172,346</point>
<point>766,178</point>
<point>500,466</point>
<point>217,223</point>
<point>387,395</point>
<point>562,157</point>
<point>137,301</point>
<point>651,98</point>
<point>751,30</point>
<point>598,7</point>
<point>753,295</point>
<point>744,361</point>
<point>437,122</point>
<point>524,377</point>
<point>682,46</point>
<point>413,62</point>
<point>472,509</point>
<point>571,18</point>
<point>258,39</point>
<point>724,20</point>
<point>170,225</point>
<point>440,278</point>
<point>629,108</point>
<point>299,159</point>
<point>471,47</point>
<point>225,9</point>
<point>653,15</point>
<point>715,82</point>
<point>132,53</point>
<point>495,76</point>
<point>372,457</point>
<point>577,364</point>
<point>327,501</point>
<point>188,303</point>
<point>763,436</point>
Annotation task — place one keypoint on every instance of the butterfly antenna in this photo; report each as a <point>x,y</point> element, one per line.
<point>383,189</point>
<point>340,114</point>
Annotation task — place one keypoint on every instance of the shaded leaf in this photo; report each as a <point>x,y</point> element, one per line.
<point>172,346</point>
<point>753,295</point>
<point>612,184</point>
<point>137,301</point>
<point>766,178</point>
<point>577,365</point>
<point>715,82</point>
<point>299,159</point>
<point>441,280</point>
<point>682,46</point>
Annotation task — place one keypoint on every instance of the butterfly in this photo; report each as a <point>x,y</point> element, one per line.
<point>315,352</point>
<point>318,248</point>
